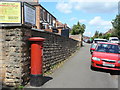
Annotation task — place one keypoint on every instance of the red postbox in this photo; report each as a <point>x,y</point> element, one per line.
<point>36,61</point>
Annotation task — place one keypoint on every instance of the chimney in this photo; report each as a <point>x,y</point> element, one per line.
<point>37,1</point>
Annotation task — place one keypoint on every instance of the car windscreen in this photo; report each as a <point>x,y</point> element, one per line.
<point>108,48</point>
<point>93,45</point>
<point>114,39</point>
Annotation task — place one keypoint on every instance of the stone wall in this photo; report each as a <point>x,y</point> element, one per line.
<point>1,58</point>
<point>55,48</point>
<point>16,53</point>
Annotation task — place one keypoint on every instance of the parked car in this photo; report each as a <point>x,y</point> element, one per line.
<point>114,40</point>
<point>87,41</point>
<point>92,48</point>
<point>94,44</point>
<point>96,40</point>
<point>106,56</point>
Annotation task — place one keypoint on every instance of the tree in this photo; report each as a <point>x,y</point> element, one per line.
<point>116,25</point>
<point>100,34</point>
<point>106,36</point>
<point>96,35</point>
<point>78,29</point>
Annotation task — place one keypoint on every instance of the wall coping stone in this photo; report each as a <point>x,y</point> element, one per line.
<point>40,30</point>
<point>8,26</point>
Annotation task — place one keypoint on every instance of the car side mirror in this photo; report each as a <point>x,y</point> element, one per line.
<point>92,51</point>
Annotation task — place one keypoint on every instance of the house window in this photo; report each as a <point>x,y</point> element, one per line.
<point>45,16</point>
<point>41,14</point>
<point>52,21</point>
<point>48,17</point>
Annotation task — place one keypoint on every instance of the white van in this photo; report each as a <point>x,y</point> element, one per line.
<point>114,40</point>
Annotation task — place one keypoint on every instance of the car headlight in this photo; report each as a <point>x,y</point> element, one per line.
<point>95,58</point>
<point>118,61</point>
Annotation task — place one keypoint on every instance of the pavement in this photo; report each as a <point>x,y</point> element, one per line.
<point>76,73</point>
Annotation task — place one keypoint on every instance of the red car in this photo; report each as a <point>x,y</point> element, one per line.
<point>94,44</point>
<point>92,48</point>
<point>106,56</point>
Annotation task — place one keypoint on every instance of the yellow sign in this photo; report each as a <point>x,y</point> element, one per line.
<point>10,12</point>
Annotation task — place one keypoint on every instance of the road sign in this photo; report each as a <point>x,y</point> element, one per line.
<point>10,13</point>
<point>29,14</point>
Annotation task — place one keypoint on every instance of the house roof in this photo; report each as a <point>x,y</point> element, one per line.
<point>110,31</point>
<point>37,4</point>
<point>61,25</point>
<point>34,3</point>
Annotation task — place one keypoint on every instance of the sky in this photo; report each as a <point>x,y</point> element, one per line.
<point>95,14</point>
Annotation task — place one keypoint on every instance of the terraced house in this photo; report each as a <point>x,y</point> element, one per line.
<point>44,19</point>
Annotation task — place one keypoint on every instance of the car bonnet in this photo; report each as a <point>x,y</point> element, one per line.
<point>103,55</point>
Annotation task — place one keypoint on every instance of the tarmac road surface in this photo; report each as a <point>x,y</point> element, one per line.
<point>76,73</point>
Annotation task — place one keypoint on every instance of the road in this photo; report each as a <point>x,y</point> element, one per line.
<point>76,73</point>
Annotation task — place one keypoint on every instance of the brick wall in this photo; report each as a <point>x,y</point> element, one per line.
<point>16,53</point>
<point>38,17</point>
